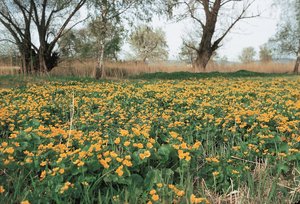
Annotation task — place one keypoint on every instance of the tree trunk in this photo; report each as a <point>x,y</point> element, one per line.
<point>296,68</point>
<point>99,70</point>
<point>42,60</point>
<point>203,57</point>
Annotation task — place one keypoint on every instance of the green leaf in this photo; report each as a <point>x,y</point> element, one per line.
<point>164,152</point>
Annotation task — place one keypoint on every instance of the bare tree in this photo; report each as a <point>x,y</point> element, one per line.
<point>207,14</point>
<point>49,18</point>
<point>287,38</point>
<point>247,55</point>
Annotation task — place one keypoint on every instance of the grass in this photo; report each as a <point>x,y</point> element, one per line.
<point>189,75</point>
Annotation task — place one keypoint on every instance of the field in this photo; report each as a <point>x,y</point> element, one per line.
<point>167,139</point>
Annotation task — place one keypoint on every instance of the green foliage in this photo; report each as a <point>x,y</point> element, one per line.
<point>162,141</point>
<point>247,55</point>
<point>149,44</point>
<point>265,54</point>
<point>83,43</point>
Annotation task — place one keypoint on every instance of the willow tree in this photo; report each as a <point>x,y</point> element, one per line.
<point>48,19</point>
<point>216,18</point>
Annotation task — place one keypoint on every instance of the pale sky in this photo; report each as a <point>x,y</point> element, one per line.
<point>250,32</point>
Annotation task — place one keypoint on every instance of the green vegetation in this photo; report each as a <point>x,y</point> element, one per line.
<point>200,139</point>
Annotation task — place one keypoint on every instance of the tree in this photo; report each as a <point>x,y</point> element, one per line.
<point>49,19</point>
<point>187,54</point>
<point>149,44</point>
<point>82,43</point>
<point>265,54</point>
<point>187,51</point>
<point>207,14</point>
<point>247,55</point>
<point>106,18</point>
<point>287,38</point>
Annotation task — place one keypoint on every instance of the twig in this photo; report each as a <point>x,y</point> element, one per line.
<point>71,119</point>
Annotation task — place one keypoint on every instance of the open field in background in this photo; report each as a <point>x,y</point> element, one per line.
<point>201,140</point>
<point>85,68</point>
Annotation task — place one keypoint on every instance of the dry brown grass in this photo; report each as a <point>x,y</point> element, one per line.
<point>270,67</point>
<point>262,185</point>
<point>115,69</point>
<point>9,70</point>
<point>85,68</point>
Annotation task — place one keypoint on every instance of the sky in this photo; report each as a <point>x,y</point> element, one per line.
<point>250,32</point>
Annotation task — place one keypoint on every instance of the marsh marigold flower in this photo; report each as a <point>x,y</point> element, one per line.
<point>215,173</point>
<point>2,190</point>
<point>43,175</point>
<point>10,150</point>
<point>155,197</point>
<point>117,141</point>
<point>120,171</point>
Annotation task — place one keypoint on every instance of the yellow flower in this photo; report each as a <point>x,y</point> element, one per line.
<point>127,163</point>
<point>28,130</point>
<point>119,159</point>
<point>195,200</point>
<point>113,154</point>
<point>155,197</point>
<point>61,171</point>
<point>2,190</point>
<point>43,175</point>
<point>124,132</point>
<point>142,156</point>
<point>44,163</point>
<point>281,154</point>
<point>174,135</point>
<point>138,145</point>
<point>212,159</point>
<point>152,192</point>
<point>235,172</point>
<point>171,186</point>
<point>149,145</point>
<point>181,155</point>
<point>4,144</point>
<point>28,160</point>
<point>215,173</point>
<point>147,154</point>
<point>104,163</point>
<point>65,187</point>
<point>25,202</point>
<point>120,171</point>
<point>126,144</point>
<point>196,145</point>
<point>10,150</point>
<point>117,141</point>
<point>184,145</point>
<point>180,193</point>
<point>159,185</point>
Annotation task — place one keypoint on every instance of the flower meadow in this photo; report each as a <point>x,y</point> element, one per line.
<point>156,141</point>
